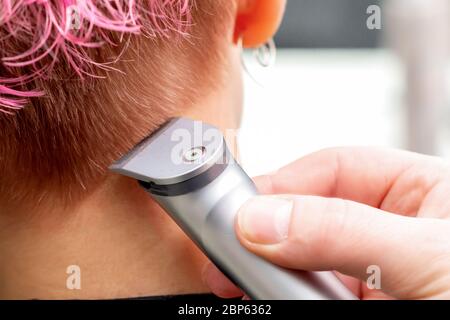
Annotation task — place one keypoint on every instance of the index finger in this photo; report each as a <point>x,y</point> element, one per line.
<point>360,174</point>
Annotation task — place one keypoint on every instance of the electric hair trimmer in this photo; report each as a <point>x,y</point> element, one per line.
<point>188,169</point>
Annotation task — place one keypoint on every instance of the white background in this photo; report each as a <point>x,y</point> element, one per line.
<point>313,99</point>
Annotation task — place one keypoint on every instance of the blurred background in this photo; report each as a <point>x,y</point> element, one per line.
<point>350,72</point>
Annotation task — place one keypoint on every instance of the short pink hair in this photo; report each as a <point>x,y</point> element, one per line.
<point>46,29</point>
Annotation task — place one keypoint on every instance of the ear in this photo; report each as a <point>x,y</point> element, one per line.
<point>257,21</point>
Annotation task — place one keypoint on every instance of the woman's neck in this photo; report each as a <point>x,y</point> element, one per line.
<point>123,244</point>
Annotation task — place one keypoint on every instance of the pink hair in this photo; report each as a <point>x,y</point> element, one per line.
<point>47,31</point>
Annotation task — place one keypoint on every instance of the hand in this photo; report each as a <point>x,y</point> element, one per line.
<point>350,208</point>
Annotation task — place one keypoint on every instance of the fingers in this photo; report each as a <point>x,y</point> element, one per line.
<point>314,233</point>
<point>348,236</point>
<point>363,175</point>
<point>219,284</point>
<point>353,284</point>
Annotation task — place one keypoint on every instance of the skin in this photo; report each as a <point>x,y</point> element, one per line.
<point>125,245</point>
<point>255,28</point>
<point>351,208</point>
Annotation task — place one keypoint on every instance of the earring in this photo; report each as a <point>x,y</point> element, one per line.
<point>264,56</point>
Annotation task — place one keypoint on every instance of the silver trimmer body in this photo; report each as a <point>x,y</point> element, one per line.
<point>188,169</point>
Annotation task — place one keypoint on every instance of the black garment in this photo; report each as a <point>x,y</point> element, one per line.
<point>200,297</point>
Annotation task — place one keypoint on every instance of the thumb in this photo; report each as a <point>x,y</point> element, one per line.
<point>315,233</point>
